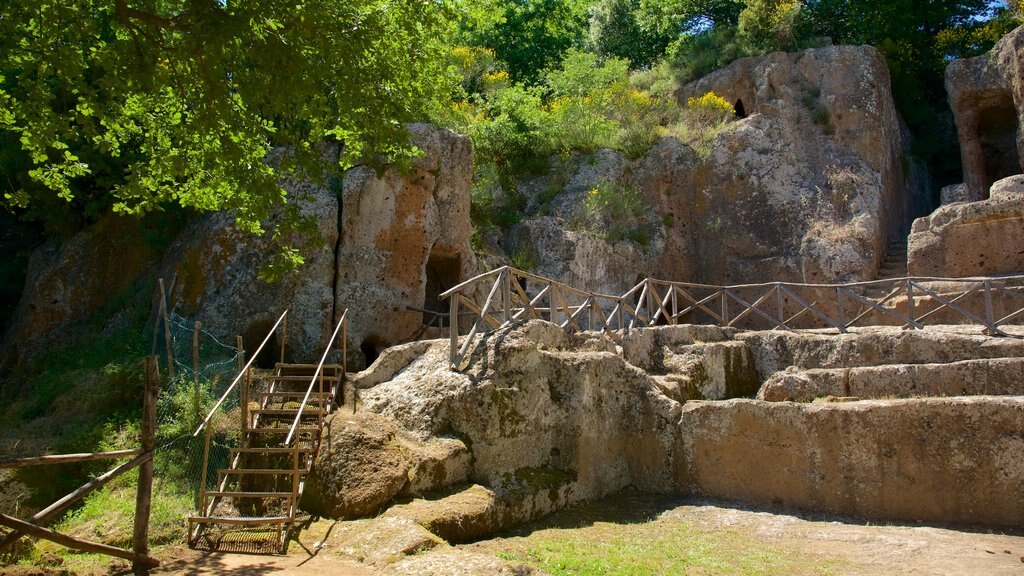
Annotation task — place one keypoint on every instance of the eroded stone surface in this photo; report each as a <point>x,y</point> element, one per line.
<point>998,376</point>
<point>983,238</point>
<point>986,94</point>
<point>537,404</point>
<point>931,460</point>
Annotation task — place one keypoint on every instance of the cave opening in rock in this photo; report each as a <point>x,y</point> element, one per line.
<point>741,112</point>
<point>371,347</point>
<point>442,273</point>
<point>997,132</point>
<point>254,334</point>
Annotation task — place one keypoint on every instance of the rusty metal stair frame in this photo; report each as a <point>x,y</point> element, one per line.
<point>261,427</point>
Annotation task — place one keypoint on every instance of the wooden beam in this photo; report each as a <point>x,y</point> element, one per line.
<point>84,545</point>
<point>65,458</point>
<point>58,507</point>
<point>167,331</point>
<point>144,494</point>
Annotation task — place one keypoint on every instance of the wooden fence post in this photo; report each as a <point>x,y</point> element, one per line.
<point>197,393</point>
<point>453,328</point>
<point>241,352</point>
<point>167,331</point>
<point>143,498</point>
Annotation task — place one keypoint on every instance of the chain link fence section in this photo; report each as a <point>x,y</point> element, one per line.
<point>203,368</point>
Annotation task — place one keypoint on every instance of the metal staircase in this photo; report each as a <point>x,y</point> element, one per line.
<point>254,501</point>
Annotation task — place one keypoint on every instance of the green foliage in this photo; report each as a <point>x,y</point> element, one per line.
<point>766,25</point>
<point>694,55</point>
<point>514,127</point>
<point>688,16</point>
<point>528,36</point>
<point>179,102</point>
<point>708,110</point>
<point>583,73</point>
<point>615,213</point>
<point>523,259</point>
<point>615,32</point>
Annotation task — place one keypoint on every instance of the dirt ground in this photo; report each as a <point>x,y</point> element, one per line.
<point>804,544</point>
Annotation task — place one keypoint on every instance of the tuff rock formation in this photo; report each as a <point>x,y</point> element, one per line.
<point>980,238</point>
<point>550,419</point>
<point>987,97</point>
<point>72,281</point>
<point>392,240</point>
<point>797,190</point>
<point>215,269</point>
<point>405,238</point>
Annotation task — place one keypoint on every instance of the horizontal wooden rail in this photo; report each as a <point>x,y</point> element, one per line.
<point>84,545</point>
<point>65,458</point>
<point>908,301</point>
<point>60,506</point>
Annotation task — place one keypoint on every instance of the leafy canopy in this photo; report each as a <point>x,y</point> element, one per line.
<point>134,104</point>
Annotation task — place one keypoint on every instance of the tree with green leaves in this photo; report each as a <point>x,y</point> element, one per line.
<point>135,104</point>
<point>688,16</point>
<point>528,36</point>
<point>615,32</point>
<point>766,25</point>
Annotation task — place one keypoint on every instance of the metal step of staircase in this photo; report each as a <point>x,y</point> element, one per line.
<point>269,423</point>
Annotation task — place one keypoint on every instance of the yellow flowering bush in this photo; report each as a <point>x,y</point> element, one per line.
<point>708,110</point>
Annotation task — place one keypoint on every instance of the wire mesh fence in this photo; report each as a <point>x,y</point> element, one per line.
<point>203,367</point>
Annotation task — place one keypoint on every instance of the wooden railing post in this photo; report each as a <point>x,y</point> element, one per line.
<point>197,392</point>
<point>202,475</point>
<point>167,332</point>
<point>144,494</point>
<point>453,327</point>
<point>842,312</point>
<point>910,301</point>
<point>725,307</point>
<point>990,319</point>
<point>243,403</point>
<point>506,295</point>
<point>778,303</point>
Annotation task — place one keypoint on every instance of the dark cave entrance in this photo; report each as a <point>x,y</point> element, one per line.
<point>741,111</point>
<point>371,347</point>
<point>443,272</point>
<point>270,355</point>
<point>997,133</point>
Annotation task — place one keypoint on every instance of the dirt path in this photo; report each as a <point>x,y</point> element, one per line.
<point>631,533</point>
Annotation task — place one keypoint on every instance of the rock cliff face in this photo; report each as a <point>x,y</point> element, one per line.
<point>802,191</point>
<point>562,418</point>
<point>987,97</point>
<point>797,190</point>
<point>215,268</point>
<point>981,238</point>
<point>75,280</point>
<point>405,239</point>
<point>391,241</point>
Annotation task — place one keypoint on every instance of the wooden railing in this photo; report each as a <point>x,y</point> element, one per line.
<point>282,321</point>
<point>513,295</point>
<point>143,460</point>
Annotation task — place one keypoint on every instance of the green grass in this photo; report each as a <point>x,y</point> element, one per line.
<point>651,549</point>
<point>628,535</point>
